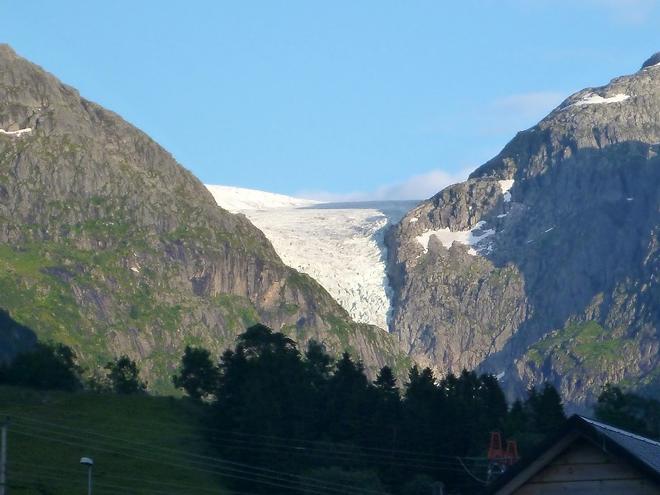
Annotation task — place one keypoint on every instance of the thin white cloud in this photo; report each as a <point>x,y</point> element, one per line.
<point>503,116</point>
<point>417,187</point>
<point>529,104</point>
<point>510,114</point>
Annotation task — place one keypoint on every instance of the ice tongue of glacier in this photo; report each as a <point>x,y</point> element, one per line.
<point>341,245</point>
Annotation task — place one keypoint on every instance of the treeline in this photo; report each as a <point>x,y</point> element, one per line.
<point>49,366</point>
<point>270,405</point>
<point>305,413</point>
<point>629,411</point>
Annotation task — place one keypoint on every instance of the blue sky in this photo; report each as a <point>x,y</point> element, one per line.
<point>340,99</point>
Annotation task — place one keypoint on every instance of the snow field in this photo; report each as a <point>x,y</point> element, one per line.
<point>237,199</point>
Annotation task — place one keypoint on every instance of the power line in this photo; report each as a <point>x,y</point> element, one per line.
<point>229,472</point>
<point>98,485</point>
<point>226,468</point>
<point>287,443</point>
<point>276,448</point>
<point>483,482</point>
<point>287,484</point>
<point>250,469</point>
<point>100,478</point>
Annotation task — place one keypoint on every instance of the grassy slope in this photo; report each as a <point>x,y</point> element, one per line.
<point>47,463</point>
<point>580,344</point>
<point>35,295</point>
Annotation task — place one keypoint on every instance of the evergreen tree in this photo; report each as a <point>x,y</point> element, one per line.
<point>491,408</point>
<point>517,420</point>
<point>629,411</point>
<point>462,412</point>
<point>264,388</point>
<point>423,412</point>
<point>198,375</point>
<point>385,384</point>
<point>386,415</point>
<point>45,367</point>
<point>347,404</point>
<point>124,376</point>
<point>546,409</point>
<point>319,363</point>
<point>259,340</point>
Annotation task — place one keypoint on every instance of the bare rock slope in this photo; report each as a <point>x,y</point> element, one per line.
<point>109,245</point>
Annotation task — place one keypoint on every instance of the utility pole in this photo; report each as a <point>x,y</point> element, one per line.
<point>3,457</point>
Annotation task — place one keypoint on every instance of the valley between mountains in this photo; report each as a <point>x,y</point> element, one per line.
<point>543,265</point>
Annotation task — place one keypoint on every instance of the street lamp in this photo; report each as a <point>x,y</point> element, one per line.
<point>86,461</point>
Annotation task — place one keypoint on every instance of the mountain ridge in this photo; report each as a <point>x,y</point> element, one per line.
<point>110,246</point>
<point>560,283</point>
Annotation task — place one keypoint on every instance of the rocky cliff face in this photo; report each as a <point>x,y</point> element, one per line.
<point>108,245</point>
<point>545,263</point>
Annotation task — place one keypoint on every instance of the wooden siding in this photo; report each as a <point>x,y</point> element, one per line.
<point>584,469</point>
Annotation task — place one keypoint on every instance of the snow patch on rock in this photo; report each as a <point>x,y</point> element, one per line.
<point>505,186</point>
<point>472,237</point>
<point>594,99</point>
<point>17,133</point>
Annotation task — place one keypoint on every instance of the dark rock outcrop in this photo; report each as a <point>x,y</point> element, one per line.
<point>652,60</point>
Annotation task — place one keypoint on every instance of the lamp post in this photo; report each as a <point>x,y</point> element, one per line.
<point>86,461</point>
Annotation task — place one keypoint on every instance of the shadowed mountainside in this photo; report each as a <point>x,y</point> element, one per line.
<point>554,275</point>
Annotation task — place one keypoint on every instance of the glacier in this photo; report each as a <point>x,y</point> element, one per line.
<point>340,245</point>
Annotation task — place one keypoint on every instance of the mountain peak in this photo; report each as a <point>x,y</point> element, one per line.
<point>7,51</point>
<point>560,229</point>
<point>652,60</point>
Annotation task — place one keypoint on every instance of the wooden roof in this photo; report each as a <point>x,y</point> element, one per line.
<point>643,453</point>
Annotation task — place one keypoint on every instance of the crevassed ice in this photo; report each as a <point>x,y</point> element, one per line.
<point>467,237</point>
<point>594,99</point>
<point>17,133</point>
<point>342,248</point>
